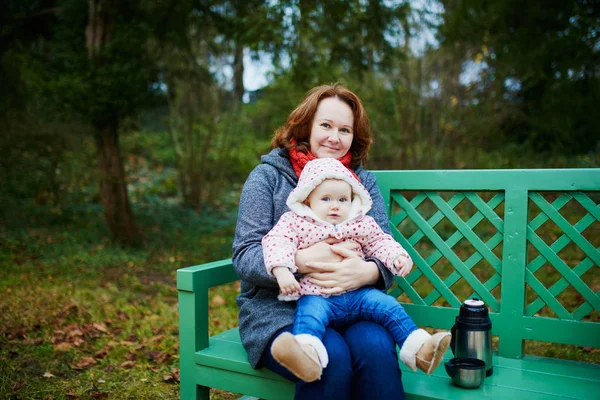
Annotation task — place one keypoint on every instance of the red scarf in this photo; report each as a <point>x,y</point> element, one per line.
<point>299,160</point>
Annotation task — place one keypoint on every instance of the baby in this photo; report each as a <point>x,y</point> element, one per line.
<point>330,202</point>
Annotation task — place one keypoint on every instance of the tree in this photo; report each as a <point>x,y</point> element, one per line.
<point>540,60</point>
<point>91,65</point>
<point>327,40</point>
<point>105,62</point>
<point>204,113</point>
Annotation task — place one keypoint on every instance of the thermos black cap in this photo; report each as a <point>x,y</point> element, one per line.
<point>473,315</point>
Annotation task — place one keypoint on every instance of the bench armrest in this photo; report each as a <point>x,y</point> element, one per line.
<point>193,284</point>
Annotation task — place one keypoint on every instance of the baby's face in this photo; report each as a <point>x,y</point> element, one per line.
<point>331,200</point>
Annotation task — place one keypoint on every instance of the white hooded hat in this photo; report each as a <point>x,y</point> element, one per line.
<point>315,172</point>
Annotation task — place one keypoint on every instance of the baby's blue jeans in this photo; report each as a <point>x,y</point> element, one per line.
<point>315,313</point>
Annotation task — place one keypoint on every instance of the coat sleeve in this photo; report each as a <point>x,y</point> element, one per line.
<point>383,246</point>
<point>280,245</point>
<point>379,214</point>
<point>255,220</point>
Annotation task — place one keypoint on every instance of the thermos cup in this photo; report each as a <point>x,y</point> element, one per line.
<point>472,333</point>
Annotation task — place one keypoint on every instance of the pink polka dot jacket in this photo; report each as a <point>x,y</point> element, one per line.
<point>301,228</point>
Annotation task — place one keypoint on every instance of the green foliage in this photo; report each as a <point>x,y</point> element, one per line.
<point>539,60</point>
<point>45,163</point>
<point>326,40</point>
<point>166,61</point>
<point>114,82</point>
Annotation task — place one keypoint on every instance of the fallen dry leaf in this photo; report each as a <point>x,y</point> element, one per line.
<point>132,338</point>
<point>98,395</point>
<point>128,364</point>
<point>59,336</point>
<point>110,368</point>
<point>74,332</point>
<point>156,338</point>
<point>67,310</point>
<point>94,330</point>
<point>83,363</point>
<point>175,373</point>
<point>156,356</point>
<point>48,375</point>
<point>30,341</point>
<point>19,333</point>
<point>122,315</point>
<point>218,301</point>
<point>100,327</point>
<point>62,347</point>
<point>173,376</point>
<point>101,353</point>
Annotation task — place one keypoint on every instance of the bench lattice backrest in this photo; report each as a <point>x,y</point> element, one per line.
<point>526,242</point>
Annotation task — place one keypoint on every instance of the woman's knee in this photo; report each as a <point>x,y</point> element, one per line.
<point>340,360</point>
<point>379,347</point>
<point>375,365</point>
<point>336,381</point>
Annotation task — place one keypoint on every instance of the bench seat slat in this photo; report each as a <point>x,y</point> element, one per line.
<point>232,381</point>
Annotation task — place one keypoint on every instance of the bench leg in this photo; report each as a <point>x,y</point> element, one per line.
<point>193,392</point>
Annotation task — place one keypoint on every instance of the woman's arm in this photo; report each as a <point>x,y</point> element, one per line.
<point>378,210</point>
<point>379,213</point>
<point>255,220</point>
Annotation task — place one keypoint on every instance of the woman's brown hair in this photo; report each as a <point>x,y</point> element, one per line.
<point>299,122</point>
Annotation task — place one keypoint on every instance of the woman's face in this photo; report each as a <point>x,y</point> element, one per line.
<point>331,132</point>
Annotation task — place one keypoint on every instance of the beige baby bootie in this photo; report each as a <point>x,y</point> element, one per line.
<point>303,355</point>
<point>424,351</point>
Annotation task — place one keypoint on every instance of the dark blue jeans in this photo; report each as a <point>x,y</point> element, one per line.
<point>315,313</point>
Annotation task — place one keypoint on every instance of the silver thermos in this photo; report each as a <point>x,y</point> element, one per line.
<point>472,333</point>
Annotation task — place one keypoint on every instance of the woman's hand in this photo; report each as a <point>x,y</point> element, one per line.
<point>322,252</point>
<point>337,277</point>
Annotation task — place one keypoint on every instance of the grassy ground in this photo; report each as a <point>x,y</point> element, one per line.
<point>82,319</point>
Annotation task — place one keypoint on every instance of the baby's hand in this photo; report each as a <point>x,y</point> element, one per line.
<point>403,264</point>
<point>288,284</point>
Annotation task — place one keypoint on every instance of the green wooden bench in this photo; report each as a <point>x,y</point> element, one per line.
<point>526,242</point>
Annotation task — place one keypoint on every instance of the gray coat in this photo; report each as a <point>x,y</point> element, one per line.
<point>262,202</point>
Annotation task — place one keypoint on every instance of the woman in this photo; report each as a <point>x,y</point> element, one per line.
<point>329,122</point>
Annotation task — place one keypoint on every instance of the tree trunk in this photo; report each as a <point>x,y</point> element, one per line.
<point>238,73</point>
<point>113,189</point>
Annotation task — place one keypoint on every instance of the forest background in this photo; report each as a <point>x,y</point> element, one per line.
<point>128,130</point>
